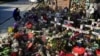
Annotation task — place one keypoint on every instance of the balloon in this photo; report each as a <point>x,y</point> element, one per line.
<point>78,50</point>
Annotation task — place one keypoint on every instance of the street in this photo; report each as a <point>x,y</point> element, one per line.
<point>6,11</point>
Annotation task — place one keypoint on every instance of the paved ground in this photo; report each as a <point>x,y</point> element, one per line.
<point>6,11</point>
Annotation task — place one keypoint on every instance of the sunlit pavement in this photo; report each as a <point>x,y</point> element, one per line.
<point>6,11</point>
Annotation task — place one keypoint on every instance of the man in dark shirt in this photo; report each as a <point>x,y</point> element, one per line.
<point>16,14</point>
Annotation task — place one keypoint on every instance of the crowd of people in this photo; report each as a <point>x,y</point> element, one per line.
<point>38,34</point>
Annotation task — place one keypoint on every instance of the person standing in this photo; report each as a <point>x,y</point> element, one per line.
<point>16,14</point>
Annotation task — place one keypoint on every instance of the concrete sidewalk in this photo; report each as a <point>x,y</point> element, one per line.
<point>6,11</point>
